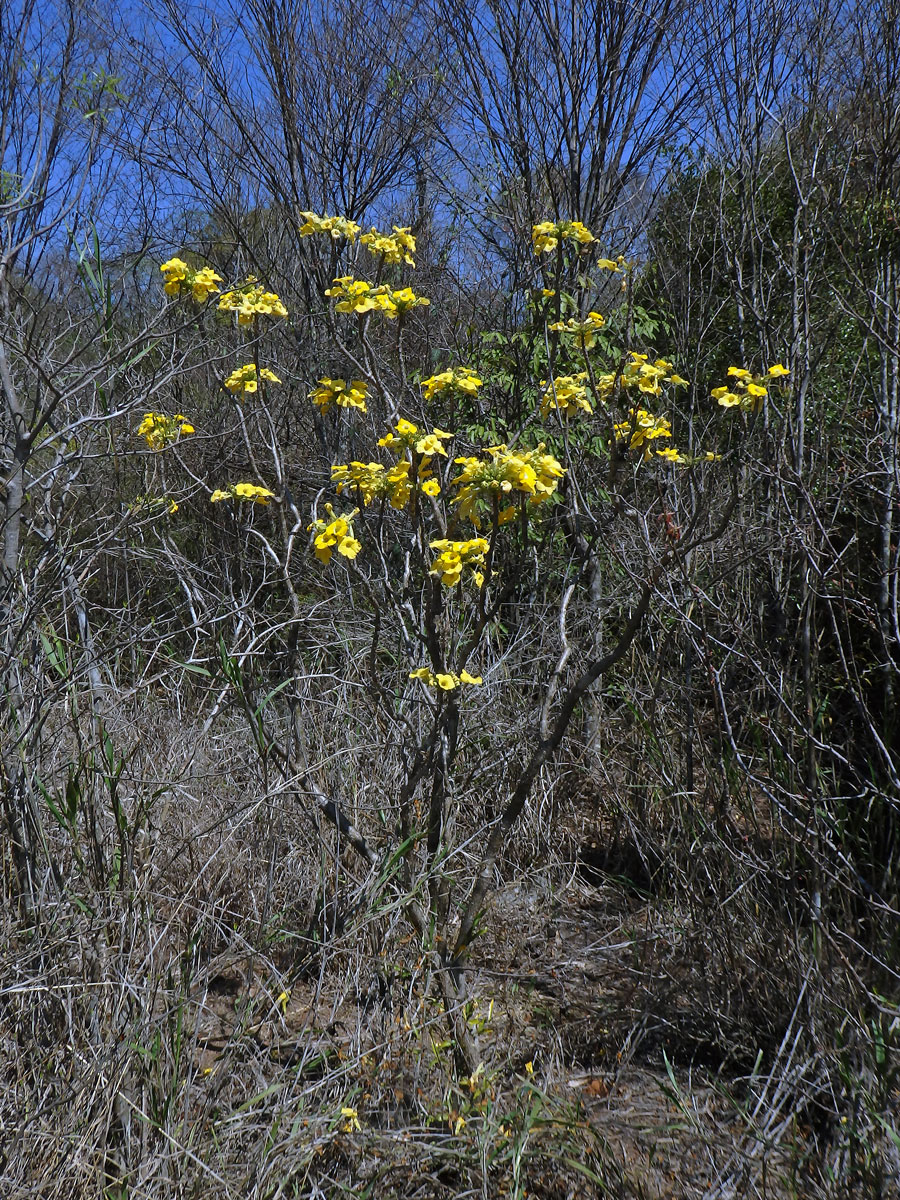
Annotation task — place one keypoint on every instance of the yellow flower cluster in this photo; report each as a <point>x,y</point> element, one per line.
<point>407,436</point>
<point>340,393</point>
<point>583,332</point>
<point>334,534</point>
<point>532,473</point>
<point>395,247</point>
<point>242,491</point>
<point>548,234</point>
<point>357,296</point>
<point>460,379</point>
<point>640,375</point>
<point>180,277</point>
<point>336,227</point>
<point>567,394</point>
<point>748,391</point>
<point>250,301</point>
<point>641,429</point>
<point>244,379</point>
<point>161,431</point>
<point>446,681</point>
<point>455,557</point>
<point>373,481</point>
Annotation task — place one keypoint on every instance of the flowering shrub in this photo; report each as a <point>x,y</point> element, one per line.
<point>246,380</point>
<point>161,431</point>
<point>181,278</point>
<point>358,296</point>
<point>459,379</point>
<point>456,558</point>
<point>340,393</point>
<point>583,332</point>
<point>250,301</point>
<point>395,247</point>
<point>336,227</point>
<point>547,235</point>
<point>242,491</point>
<point>748,390</point>
<point>334,534</point>
<point>446,681</point>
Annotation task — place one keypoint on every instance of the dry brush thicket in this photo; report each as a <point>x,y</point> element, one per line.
<point>620,919</point>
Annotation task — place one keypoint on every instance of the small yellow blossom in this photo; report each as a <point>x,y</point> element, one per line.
<point>748,390</point>
<point>242,491</point>
<point>250,491</point>
<point>373,481</point>
<point>567,394</point>
<point>341,393</point>
<point>180,277</point>
<point>245,379</point>
<point>407,436</point>
<point>351,1117</point>
<point>394,248</point>
<point>641,429</point>
<point>250,301</point>
<point>460,379</point>
<point>547,235</point>
<point>336,227</point>
<point>334,534</point>
<point>482,482</point>
<point>431,487</point>
<point>358,296</point>
<point>670,454</point>
<point>447,681</point>
<point>584,332</point>
<point>456,557</point>
<point>399,303</point>
<point>161,431</point>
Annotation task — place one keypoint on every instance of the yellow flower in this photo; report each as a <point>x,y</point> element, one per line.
<point>250,301</point>
<point>456,557</point>
<point>670,454</point>
<point>641,429</point>
<point>179,276</point>
<point>161,431</point>
<point>336,227</point>
<point>431,487</point>
<point>356,296</point>
<point>481,481</point>
<point>175,272</point>
<point>407,436</point>
<point>244,379</point>
<point>340,393</point>
<point>249,491</point>
<point>461,379</point>
<point>166,502</point>
<point>749,389</point>
<point>334,534</point>
<point>372,481</point>
<point>399,303</point>
<point>203,285</point>
<point>218,495</point>
<point>447,681</point>
<point>583,332</point>
<point>351,1116</point>
<point>566,394</point>
<point>547,235</point>
<point>395,248</point>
